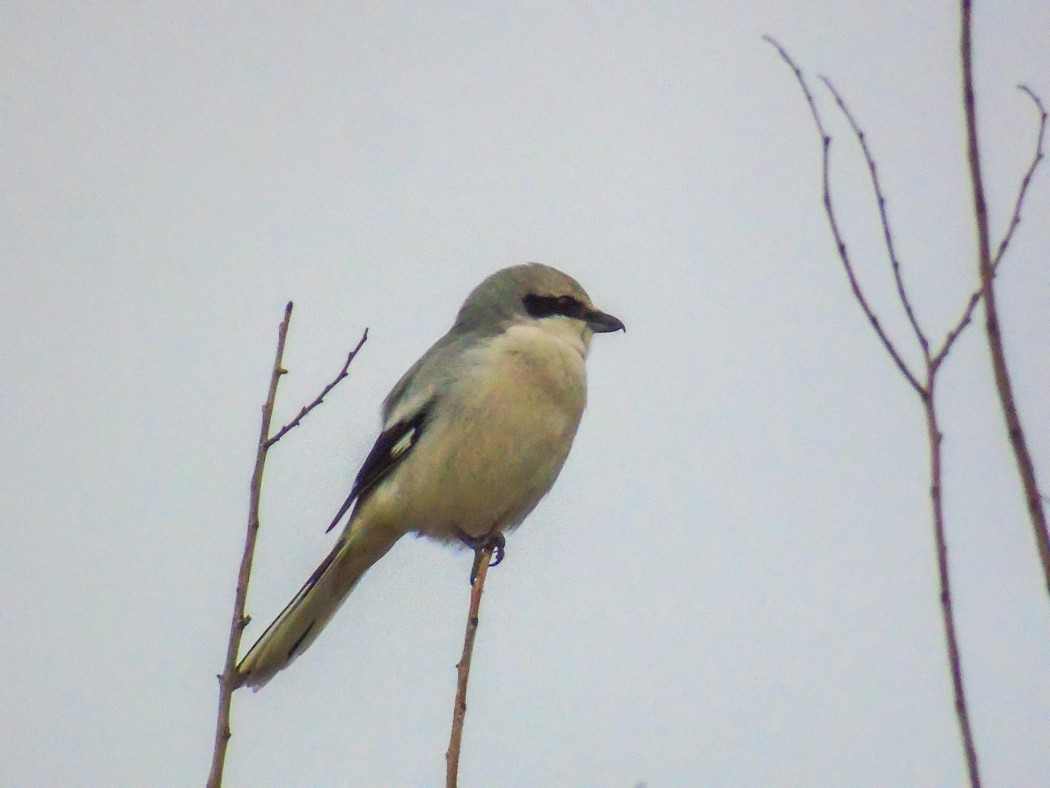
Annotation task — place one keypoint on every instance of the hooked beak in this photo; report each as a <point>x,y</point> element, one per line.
<point>602,323</point>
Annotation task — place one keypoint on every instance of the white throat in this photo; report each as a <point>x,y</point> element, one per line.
<point>572,332</point>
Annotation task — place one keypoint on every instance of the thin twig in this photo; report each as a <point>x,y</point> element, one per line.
<point>956,331</point>
<point>1015,220</point>
<point>947,615</point>
<point>829,210</point>
<point>1025,467</point>
<point>887,234</point>
<point>320,397</point>
<point>459,711</point>
<point>227,680</point>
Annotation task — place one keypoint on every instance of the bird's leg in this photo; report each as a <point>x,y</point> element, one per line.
<point>493,541</point>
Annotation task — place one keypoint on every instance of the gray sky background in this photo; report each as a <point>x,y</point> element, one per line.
<point>733,582</point>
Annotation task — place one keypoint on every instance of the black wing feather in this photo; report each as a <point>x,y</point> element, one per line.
<point>390,448</point>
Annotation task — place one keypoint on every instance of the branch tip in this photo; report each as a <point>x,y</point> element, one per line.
<point>829,210</point>
<point>305,410</point>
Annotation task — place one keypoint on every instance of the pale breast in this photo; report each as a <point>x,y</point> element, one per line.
<point>500,437</point>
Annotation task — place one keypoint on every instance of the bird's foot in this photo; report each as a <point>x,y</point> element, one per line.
<point>494,542</point>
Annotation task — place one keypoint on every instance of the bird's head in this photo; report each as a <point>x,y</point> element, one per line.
<point>534,292</point>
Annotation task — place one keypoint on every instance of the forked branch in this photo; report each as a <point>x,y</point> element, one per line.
<point>227,680</point>
<point>925,391</point>
<point>228,677</point>
<point>988,266</point>
<point>833,222</point>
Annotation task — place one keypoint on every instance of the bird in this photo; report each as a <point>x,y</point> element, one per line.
<point>473,435</point>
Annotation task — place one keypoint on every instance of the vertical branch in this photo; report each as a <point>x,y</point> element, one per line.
<point>947,615</point>
<point>1025,467</point>
<point>459,711</point>
<point>227,681</point>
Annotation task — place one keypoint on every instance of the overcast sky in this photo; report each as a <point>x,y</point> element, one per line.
<point>732,583</point>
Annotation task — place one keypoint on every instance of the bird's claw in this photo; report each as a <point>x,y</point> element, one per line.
<point>499,548</point>
<point>494,542</point>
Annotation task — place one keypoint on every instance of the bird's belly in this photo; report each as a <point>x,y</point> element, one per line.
<point>493,456</point>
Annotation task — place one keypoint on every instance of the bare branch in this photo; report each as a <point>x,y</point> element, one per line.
<point>824,137</point>
<point>947,615</point>
<point>1015,220</point>
<point>926,393</point>
<point>320,397</point>
<point>1036,159</point>
<point>887,234</point>
<point>840,244</point>
<point>228,678</point>
<point>1025,466</point>
<point>956,332</point>
<point>459,712</point>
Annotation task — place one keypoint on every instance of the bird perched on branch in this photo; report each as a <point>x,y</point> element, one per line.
<point>474,435</point>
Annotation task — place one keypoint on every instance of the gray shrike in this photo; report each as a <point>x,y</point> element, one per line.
<point>474,435</point>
